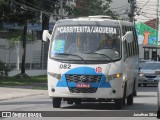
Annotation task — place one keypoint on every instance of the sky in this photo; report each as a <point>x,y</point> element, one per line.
<point>120,6</point>
<point>146,10</point>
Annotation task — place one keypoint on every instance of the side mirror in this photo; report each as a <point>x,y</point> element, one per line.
<point>46,35</point>
<point>128,37</point>
<point>139,68</point>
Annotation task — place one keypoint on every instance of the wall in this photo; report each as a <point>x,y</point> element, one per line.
<point>146,34</point>
<point>33,54</point>
<point>147,37</point>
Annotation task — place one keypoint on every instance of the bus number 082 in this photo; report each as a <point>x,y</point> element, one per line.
<point>65,66</point>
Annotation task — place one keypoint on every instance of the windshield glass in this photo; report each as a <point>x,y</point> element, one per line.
<point>87,42</point>
<point>151,66</point>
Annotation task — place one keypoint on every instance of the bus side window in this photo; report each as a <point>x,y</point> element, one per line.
<point>128,50</point>
<point>125,50</point>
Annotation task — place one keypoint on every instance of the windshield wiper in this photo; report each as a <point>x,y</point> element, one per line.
<point>72,55</point>
<point>103,55</point>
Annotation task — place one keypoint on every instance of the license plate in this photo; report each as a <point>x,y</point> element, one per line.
<point>83,85</point>
<point>150,80</point>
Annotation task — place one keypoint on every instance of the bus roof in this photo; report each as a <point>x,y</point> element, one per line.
<point>94,19</point>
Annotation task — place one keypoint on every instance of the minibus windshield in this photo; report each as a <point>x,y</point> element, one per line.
<point>88,42</point>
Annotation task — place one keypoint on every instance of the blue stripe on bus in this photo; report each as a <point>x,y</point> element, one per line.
<point>83,71</point>
<point>62,82</point>
<point>103,83</point>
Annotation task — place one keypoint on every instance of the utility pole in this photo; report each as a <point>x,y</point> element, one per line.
<point>158,21</point>
<point>132,9</point>
<point>61,9</point>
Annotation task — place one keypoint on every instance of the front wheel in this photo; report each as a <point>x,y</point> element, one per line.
<point>78,102</point>
<point>135,93</point>
<point>56,102</point>
<point>158,114</point>
<point>119,103</point>
<point>130,99</point>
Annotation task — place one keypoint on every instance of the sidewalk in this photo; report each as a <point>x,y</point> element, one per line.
<point>12,92</point>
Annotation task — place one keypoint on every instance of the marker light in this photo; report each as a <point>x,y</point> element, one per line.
<point>118,75</point>
<point>111,77</point>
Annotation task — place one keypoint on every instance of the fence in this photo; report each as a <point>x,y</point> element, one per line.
<point>36,55</point>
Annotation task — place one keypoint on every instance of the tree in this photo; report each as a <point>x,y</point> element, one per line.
<point>24,11</point>
<point>49,7</point>
<point>90,7</point>
<point>16,11</point>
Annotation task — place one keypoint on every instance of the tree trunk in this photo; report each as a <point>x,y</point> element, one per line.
<point>24,48</point>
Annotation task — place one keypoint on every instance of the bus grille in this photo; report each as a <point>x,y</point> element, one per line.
<point>82,90</point>
<point>83,78</point>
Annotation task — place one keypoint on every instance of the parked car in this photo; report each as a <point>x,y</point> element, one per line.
<point>158,100</point>
<point>142,61</point>
<point>149,73</point>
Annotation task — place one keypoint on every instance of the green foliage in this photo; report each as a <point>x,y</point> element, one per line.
<point>91,7</point>
<point>36,81</point>
<point>16,11</point>
<point>4,69</point>
<point>17,36</point>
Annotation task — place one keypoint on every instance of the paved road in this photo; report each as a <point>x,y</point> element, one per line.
<point>146,100</point>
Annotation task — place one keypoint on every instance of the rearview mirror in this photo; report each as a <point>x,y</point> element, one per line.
<point>46,35</point>
<point>128,37</point>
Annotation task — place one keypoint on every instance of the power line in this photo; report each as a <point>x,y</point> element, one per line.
<point>124,8</point>
<point>143,19</point>
<point>144,1</point>
<point>148,13</point>
<point>34,9</point>
<point>33,6</point>
<point>150,9</point>
<point>143,6</point>
<point>153,10</point>
<point>146,16</point>
<point>148,5</point>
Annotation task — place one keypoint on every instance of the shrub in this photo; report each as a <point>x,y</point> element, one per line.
<point>4,69</point>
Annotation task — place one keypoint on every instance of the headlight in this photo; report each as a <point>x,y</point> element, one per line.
<point>141,74</point>
<point>58,76</point>
<point>111,77</point>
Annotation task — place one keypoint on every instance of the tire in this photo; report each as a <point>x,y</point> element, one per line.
<point>70,102</point>
<point>78,102</point>
<point>135,93</point>
<point>124,95</point>
<point>119,103</point>
<point>56,102</point>
<point>130,99</point>
<point>134,90</point>
<point>158,114</point>
<point>158,99</point>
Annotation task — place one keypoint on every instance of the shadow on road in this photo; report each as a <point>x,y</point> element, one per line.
<point>111,106</point>
<point>92,106</point>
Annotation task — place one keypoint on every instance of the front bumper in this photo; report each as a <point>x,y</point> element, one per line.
<point>142,80</point>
